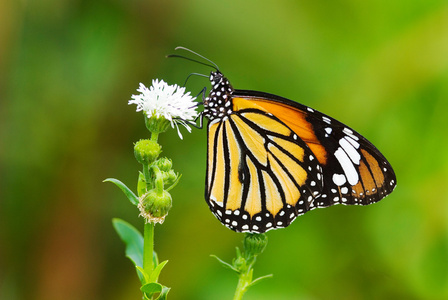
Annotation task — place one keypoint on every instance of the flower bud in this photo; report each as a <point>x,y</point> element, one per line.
<point>155,206</point>
<point>164,164</point>
<point>156,124</point>
<point>239,263</point>
<point>146,151</point>
<point>254,243</point>
<point>169,178</point>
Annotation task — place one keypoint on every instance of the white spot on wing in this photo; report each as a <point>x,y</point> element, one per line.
<point>348,167</point>
<point>347,131</point>
<point>214,121</point>
<point>350,133</point>
<point>339,179</point>
<point>352,141</point>
<point>350,150</point>
<point>213,199</point>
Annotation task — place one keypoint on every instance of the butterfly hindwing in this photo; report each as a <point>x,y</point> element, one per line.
<point>260,174</point>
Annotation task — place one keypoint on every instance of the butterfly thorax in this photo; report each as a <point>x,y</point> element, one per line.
<point>218,104</point>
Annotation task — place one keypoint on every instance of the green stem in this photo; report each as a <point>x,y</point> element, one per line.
<point>148,248</point>
<point>154,136</point>
<point>244,281</point>
<point>147,175</point>
<point>148,234</point>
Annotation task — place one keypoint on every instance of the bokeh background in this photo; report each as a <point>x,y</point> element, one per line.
<point>68,68</point>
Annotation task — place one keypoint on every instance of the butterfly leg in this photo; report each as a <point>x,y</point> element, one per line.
<point>201,121</point>
<point>197,74</point>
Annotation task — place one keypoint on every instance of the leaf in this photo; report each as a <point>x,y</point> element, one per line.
<point>133,240</point>
<point>238,252</point>
<point>142,275</point>
<point>131,196</point>
<point>155,274</point>
<point>151,288</point>
<point>226,265</point>
<point>155,258</point>
<point>163,295</point>
<point>260,279</point>
<point>175,182</point>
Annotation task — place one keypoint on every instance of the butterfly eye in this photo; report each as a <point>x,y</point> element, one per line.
<point>215,77</point>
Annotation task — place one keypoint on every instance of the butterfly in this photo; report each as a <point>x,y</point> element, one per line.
<point>270,159</point>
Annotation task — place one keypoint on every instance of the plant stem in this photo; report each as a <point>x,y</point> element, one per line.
<point>148,248</point>
<point>154,136</point>
<point>147,176</point>
<point>244,281</point>
<point>148,232</point>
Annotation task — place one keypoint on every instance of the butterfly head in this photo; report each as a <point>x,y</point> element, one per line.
<point>217,105</point>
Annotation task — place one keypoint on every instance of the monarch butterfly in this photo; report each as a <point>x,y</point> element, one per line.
<point>271,159</point>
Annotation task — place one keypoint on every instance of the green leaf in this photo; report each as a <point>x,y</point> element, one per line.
<point>226,265</point>
<point>142,275</point>
<point>133,240</point>
<point>151,288</point>
<point>175,182</point>
<point>155,274</point>
<point>131,196</point>
<point>155,258</point>
<point>164,294</point>
<point>238,252</point>
<point>260,279</point>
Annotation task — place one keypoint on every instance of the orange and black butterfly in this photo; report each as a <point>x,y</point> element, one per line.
<point>271,159</point>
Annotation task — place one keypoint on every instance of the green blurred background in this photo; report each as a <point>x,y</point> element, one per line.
<point>68,68</point>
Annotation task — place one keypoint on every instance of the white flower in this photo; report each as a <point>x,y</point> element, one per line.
<point>169,101</point>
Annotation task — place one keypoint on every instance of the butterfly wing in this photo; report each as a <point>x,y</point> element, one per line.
<point>354,171</point>
<point>260,174</point>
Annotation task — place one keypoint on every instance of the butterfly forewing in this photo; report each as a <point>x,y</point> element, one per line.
<point>355,172</point>
<point>260,174</point>
<point>358,173</point>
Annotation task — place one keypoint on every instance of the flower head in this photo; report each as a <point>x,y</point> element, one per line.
<point>167,101</point>
<point>154,206</point>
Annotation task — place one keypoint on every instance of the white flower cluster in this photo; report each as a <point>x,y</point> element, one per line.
<point>169,101</point>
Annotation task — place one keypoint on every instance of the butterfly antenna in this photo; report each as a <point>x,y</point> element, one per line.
<point>212,64</point>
